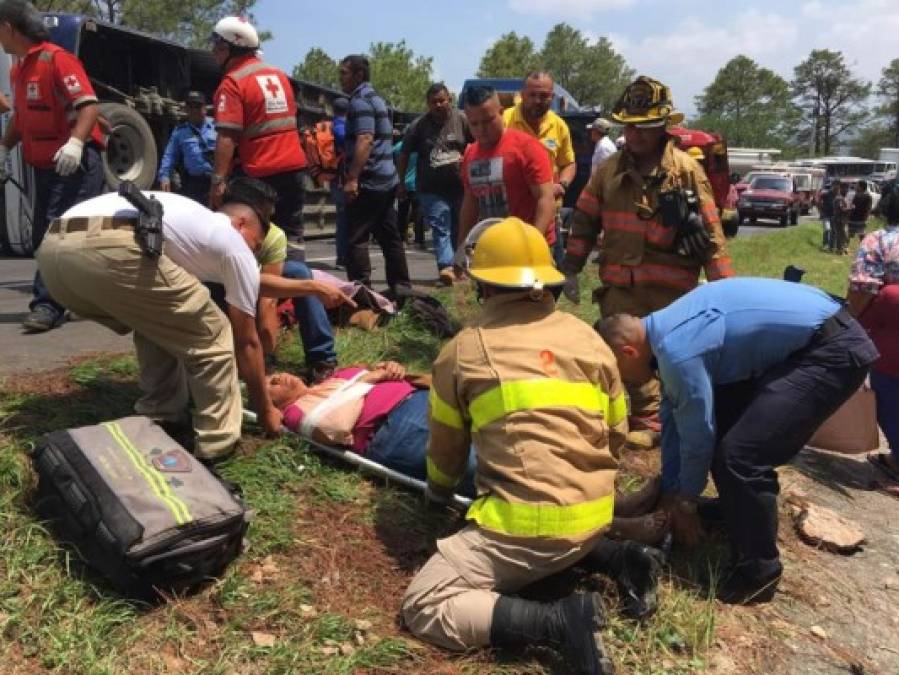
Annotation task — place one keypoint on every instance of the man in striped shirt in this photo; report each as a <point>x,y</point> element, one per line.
<point>371,179</point>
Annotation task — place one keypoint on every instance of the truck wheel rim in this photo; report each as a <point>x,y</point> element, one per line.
<point>124,153</point>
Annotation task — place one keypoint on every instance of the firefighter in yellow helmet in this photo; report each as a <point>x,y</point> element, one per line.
<point>696,153</point>
<point>540,397</point>
<point>655,209</point>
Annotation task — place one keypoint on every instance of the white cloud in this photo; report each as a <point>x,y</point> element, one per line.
<point>688,56</point>
<point>566,8</point>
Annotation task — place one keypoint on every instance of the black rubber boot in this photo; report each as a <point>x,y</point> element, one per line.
<point>571,625</point>
<point>635,568</point>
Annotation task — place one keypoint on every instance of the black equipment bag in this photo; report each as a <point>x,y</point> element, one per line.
<point>137,507</point>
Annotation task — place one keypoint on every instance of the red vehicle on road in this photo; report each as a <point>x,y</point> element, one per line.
<point>714,150</point>
<point>771,195</point>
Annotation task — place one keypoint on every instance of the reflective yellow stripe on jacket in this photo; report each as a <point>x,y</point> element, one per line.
<point>541,520</point>
<point>542,393</point>
<point>443,412</point>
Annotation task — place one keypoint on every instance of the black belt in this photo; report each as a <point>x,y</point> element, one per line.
<point>59,225</point>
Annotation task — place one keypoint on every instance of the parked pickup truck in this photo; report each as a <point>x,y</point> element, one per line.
<point>770,196</point>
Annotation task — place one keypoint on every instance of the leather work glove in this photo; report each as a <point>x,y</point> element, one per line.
<point>572,289</point>
<point>68,157</point>
<point>693,240</point>
<point>4,157</point>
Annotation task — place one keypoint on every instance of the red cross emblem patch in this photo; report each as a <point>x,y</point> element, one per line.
<point>275,96</point>
<point>72,83</point>
<point>33,91</point>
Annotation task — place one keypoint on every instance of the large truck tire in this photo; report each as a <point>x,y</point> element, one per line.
<point>130,150</point>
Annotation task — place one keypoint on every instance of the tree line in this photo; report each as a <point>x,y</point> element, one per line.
<point>823,108</point>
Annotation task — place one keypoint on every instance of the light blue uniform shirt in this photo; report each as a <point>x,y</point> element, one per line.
<point>185,147</point>
<point>722,332</point>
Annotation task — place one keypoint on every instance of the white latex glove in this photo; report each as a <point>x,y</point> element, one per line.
<point>4,156</point>
<point>68,157</point>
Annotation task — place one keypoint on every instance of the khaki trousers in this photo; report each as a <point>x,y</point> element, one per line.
<point>450,601</point>
<point>638,301</point>
<point>183,341</point>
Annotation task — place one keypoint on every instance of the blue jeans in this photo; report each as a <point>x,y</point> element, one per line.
<point>401,443</point>
<point>315,329</point>
<point>339,198</point>
<point>886,388</point>
<point>54,195</point>
<point>441,214</point>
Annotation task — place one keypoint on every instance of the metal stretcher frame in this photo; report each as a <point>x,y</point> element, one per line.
<point>363,462</point>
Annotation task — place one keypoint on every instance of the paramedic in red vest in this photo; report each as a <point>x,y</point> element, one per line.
<point>256,115</point>
<point>55,117</point>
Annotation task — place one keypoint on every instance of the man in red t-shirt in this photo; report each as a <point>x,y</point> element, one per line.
<point>55,114</point>
<point>256,115</point>
<point>505,172</point>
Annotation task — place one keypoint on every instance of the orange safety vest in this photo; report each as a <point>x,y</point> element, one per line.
<point>44,111</point>
<point>269,142</point>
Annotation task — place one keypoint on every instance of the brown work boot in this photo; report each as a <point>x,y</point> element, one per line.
<point>447,276</point>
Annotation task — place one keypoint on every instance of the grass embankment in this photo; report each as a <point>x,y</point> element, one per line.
<point>331,552</point>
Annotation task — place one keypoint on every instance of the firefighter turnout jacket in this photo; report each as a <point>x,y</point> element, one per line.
<point>538,392</point>
<point>257,101</point>
<point>49,85</point>
<point>637,248</point>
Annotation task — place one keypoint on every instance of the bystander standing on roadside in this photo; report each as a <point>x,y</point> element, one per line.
<point>371,178</point>
<point>505,172</point>
<point>873,299</point>
<point>406,194</point>
<point>440,137</point>
<point>839,238</point>
<point>860,211</point>
<point>825,210</point>
<point>55,115</point>
<point>338,128</point>
<point>192,147</point>
<point>534,116</point>
<point>605,146</point>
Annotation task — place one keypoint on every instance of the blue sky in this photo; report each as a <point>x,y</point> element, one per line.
<point>681,42</point>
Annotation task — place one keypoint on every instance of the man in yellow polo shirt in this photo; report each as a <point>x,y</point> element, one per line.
<point>532,115</point>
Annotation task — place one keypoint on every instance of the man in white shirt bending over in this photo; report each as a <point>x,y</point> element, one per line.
<point>92,263</point>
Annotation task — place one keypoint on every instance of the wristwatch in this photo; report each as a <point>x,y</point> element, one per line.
<point>216,179</point>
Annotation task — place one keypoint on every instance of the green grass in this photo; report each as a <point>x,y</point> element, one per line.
<point>767,255</point>
<point>54,618</point>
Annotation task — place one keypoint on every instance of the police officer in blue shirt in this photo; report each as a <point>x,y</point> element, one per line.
<point>191,146</point>
<point>750,368</point>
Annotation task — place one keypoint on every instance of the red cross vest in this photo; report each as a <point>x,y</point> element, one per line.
<point>257,100</point>
<point>49,83</point>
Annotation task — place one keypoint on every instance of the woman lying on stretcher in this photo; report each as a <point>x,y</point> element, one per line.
<point>383,414</point>
<point>380,413</point>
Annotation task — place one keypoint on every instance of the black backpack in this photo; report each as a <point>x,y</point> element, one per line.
<point>137,507</point>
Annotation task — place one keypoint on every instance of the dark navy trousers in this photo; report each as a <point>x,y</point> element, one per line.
<point>764,422</point>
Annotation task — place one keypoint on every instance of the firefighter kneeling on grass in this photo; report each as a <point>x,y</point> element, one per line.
<point>654,206</point>
<point>540,397</point>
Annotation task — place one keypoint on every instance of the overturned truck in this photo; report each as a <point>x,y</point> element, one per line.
<point>141,81</point>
